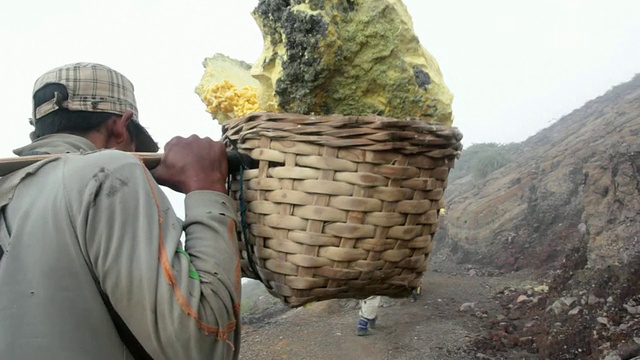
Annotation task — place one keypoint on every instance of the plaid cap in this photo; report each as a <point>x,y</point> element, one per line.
<point>95,88</point>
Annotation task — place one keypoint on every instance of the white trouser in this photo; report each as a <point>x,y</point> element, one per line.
<point>369,307</point>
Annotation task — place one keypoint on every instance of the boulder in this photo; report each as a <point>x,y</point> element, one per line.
<point>349,57</point>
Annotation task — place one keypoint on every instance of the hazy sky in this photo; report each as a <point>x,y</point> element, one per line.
<point>513,66</point>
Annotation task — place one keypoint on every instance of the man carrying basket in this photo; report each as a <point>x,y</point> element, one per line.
<point>91,263</point>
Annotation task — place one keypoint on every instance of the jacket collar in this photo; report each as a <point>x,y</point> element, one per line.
<point>56,144</point>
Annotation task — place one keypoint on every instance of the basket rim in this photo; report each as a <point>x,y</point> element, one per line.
<point>370,132</point>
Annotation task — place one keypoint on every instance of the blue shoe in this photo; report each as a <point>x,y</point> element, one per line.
<point>363,327</point>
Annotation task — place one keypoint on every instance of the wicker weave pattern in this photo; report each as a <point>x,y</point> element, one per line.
<point>341,206</point>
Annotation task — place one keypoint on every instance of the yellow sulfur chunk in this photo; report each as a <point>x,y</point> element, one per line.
<point>227,88</point>
<point>355,57</point>
<point>225,101</point>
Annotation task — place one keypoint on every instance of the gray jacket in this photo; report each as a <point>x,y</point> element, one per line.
<point>102,212</point>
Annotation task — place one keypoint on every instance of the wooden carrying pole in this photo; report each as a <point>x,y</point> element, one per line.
<point>235,161</point>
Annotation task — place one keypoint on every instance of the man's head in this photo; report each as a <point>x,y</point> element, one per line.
<point>90,100</point>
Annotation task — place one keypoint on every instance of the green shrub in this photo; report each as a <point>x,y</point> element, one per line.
<point>246,306</point>
<point>480,160</point>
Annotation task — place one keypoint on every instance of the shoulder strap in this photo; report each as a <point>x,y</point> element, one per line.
<point>6,229</point>
<point>133,345</point>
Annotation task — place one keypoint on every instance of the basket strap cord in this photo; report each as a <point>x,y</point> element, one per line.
<point>244,226</point>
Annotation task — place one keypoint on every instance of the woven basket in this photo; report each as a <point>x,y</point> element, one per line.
<point>340,206</point>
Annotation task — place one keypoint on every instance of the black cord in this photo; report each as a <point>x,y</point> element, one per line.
<point>244,226</point>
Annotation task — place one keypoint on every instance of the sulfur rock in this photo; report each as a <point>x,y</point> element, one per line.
<point>227,87</point>
<point>350,57</point>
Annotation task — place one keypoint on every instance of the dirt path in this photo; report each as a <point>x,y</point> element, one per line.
<point>433,327</point>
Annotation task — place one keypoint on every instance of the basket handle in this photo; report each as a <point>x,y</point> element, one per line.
<point>237,161</point>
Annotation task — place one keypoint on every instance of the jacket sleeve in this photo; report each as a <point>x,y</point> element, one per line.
<point>180,303</point>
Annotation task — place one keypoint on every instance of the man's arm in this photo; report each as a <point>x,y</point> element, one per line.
<point>178,303</point>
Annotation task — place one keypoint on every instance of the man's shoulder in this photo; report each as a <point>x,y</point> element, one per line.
<point>109,156</point>
<point>102,162</point>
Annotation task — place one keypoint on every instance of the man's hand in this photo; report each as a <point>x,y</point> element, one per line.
<point>193,164</point>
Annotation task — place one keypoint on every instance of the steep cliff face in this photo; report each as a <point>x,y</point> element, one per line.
<point>572,189</point>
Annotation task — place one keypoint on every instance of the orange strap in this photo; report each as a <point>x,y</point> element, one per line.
<point>221,333</point>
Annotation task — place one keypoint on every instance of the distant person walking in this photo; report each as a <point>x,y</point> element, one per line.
<point>368,315</point>
<point>416,293</point>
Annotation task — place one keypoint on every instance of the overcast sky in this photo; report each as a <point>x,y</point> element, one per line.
<point>513,66</point>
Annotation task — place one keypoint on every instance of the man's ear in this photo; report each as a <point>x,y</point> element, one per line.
<point>119,127</point>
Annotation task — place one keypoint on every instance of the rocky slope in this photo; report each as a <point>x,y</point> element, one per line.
<point>566,207</point>
<point>573,186</point>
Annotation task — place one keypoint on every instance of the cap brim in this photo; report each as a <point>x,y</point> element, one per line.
<point>144,142</point>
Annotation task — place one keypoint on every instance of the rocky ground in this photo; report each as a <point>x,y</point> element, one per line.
<point>580,314</point>
<point>464,313</point>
